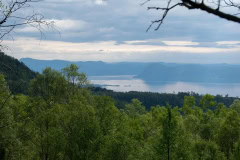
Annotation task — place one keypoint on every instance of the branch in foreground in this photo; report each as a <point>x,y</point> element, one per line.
<point>10,17</point>
<point>212,8</point>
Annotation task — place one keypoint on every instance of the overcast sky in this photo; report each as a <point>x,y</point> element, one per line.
<point>115,30</point>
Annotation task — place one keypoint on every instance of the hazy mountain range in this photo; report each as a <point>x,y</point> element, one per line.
<point>149,72</point>
<point>91,68</point>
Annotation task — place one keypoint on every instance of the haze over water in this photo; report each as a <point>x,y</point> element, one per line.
<point>125,83</point>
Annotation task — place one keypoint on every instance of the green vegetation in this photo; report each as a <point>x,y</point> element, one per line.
<point>150,99</point>
<point>60,119</point>
<point>16,73</point>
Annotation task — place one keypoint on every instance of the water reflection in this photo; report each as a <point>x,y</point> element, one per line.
<point>129,83</point>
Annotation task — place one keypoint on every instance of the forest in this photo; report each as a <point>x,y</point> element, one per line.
<point>60,118</point>
<point>150,99</point>
<point>16,73</point>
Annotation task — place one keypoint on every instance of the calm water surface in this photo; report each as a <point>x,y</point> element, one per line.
<point>124,83</point>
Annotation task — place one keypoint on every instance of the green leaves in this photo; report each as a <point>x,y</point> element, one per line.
<point>135,108</point>
<point>60,120</point>
<point>74,77</point>
<point>207,102</point>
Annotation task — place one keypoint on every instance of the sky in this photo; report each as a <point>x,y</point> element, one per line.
<point>115,31</point>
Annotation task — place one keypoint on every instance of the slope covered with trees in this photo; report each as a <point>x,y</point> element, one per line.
<point>60,119</point>
<point>150,99</point>
<point>17,75</point>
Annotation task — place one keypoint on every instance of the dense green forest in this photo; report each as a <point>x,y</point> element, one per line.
<point>150,99</point>
<point>60,119</point>
<point>16,73</point>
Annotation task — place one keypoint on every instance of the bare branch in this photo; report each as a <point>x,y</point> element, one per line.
<point>145,2</point>
<point>195,5</point>
<point>212,7</point>
<point>166,10</point>
<point>10,17</point>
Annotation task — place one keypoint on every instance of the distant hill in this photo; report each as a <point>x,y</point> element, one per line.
<point>91,68</point>
<point>200,73</point>
<point>149,72</point>
<point>16,73</point>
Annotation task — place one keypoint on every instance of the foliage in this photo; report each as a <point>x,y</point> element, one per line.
<point>16,74</point>
<point>150,99</point>
<point>60,120</point>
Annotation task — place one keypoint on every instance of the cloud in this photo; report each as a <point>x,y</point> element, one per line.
<point>100,2</point>
<point>70,25</point>
<point>61,25</point>
<point>116,31</point>
<point>162,42</point>
<point>111,51</point>
<point>228,43</point>
<point>112,46</point>
<point>101,20</point>
<point>106,29</point>
<point>180,43</point>
<point>136,42</point>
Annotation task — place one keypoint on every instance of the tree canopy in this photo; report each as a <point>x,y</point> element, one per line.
<point>60,120</point>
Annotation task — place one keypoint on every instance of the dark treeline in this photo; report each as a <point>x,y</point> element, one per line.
<point>17,75</point>
<point>60,119</point>
<point>149,99</point>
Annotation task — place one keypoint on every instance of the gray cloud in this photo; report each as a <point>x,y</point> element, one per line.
<point>120,21</point>
<point>111,51</point>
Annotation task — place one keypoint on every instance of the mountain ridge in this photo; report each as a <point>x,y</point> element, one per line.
<point>150,72</point>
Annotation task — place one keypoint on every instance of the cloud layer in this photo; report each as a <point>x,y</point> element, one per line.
<point>111,51</point>
<point>112,30</point>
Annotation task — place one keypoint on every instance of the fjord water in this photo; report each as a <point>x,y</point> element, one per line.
<point>160,77</point>
<point>125,83</point>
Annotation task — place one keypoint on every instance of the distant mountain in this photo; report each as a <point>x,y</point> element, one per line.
<point>149,72</point>
<point>203,73</point>
<point>91,68</point>
<point>16,73</point>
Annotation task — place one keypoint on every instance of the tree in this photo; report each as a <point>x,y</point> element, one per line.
<point>189,103</point>
<point>207,101</point>
<point>82,131</point>
<point>135,108</point>
<point>4,118</point>
<point>215,7</point>
<point>8,140</point>
<point>172,143</point>
<point>48,96</point>
<point>74,77</point>
<point>207,150</point>
<point>47,86</point>
<point>229,134</point>
<point>12,16</point>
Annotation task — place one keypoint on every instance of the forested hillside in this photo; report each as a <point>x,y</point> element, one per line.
<point>62,120</point>
<point>150,99</point>
<point>16,73</point>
